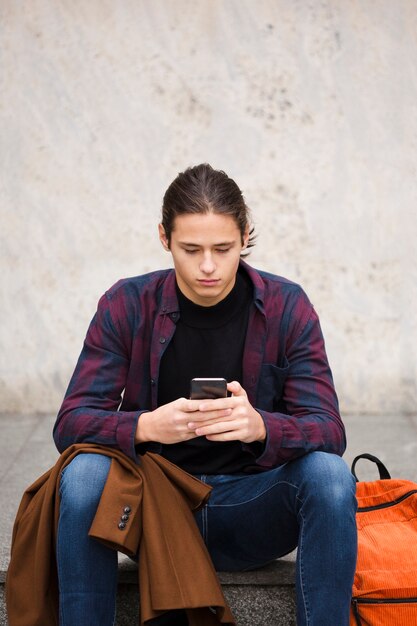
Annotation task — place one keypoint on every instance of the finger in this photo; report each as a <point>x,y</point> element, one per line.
<point>189,406</point>
<point>236,388</point>
<point>216,405</point>
<point>203,424</point>
<point>217,428</point>
<point>208,416</point>
<point>230,435</point>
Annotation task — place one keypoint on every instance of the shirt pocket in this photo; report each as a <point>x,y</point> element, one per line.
<point>270,387</point>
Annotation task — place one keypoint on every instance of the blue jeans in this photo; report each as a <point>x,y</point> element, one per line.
<point>248,521</point>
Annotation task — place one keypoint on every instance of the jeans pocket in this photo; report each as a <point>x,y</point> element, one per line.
<point>270,387</point>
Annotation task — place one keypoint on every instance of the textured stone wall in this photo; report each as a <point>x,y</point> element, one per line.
<point>310,105</point>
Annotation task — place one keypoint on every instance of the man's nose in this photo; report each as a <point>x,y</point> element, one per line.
<point>207,265</point>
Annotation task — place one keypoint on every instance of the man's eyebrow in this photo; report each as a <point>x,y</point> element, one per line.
<point>215,245</point>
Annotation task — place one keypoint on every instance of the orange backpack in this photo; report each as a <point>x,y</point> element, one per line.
<point>385,585</point>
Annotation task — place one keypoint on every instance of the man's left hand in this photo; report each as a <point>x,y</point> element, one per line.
<point>243,422</point>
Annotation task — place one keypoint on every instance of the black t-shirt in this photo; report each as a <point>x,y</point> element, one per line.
<point>208,342</point>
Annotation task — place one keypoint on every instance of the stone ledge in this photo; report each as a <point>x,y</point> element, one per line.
<point>262,597</point>
<point>280,572</point>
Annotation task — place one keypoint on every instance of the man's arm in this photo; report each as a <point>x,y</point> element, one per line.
<point>89,412</point>
<point>312,421</point>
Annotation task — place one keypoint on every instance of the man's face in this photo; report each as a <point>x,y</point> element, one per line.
<point>205,248</point>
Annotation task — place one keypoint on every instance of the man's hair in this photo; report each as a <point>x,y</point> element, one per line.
<point>202,189</point>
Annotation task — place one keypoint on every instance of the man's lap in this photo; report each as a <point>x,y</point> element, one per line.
<point>252,519</point>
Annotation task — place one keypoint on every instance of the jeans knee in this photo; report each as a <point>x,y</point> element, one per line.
<point>83,480</point>
<point>330,481</point>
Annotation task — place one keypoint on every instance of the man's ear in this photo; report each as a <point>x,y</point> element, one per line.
<point>162,237</point>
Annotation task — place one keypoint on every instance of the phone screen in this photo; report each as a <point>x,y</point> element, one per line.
<point>208,388</point>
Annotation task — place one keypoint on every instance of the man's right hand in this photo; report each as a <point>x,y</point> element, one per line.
<point>168,423</point>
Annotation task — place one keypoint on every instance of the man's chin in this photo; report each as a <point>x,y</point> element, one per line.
<point>207,296</point>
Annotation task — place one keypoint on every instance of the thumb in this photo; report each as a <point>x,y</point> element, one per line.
<point>236,388</point>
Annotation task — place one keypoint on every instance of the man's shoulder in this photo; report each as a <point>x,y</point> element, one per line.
<point>139,286</point>
<point>282,300</point>
<point>279,281</point>
<point>270,283</point>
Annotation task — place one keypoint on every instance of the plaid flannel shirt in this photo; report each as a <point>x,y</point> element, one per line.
<point>285,369</point>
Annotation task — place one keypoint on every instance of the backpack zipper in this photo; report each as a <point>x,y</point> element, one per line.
<point>356,601</point>
<point>385,505</point>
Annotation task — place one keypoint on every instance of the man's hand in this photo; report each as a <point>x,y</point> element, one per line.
<point>228,419</point>
<point>169,423</point>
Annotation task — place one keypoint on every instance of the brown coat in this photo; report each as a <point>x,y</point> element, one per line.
<point>175,570</point>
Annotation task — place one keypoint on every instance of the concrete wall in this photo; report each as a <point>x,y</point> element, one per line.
<point>310,105</point>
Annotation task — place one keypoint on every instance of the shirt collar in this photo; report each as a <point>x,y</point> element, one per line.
<point>169,300</point>
<point>258,283</point>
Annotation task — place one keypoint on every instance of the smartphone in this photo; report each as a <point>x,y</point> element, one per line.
<point>208,388</point>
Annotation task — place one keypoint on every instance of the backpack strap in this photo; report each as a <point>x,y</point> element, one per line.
<point>383,472</point>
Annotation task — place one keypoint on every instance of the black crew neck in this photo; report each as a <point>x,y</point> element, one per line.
<point>197,316</point>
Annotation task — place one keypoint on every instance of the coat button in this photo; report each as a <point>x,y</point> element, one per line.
<point>122,525</point>
<point>125,518</point>
<point>162,340</point>
<point>127,509</point>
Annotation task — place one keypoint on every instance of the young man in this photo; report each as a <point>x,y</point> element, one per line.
<point>271,450</point>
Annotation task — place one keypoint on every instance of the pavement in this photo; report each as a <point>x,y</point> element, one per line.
<point>261,598</point>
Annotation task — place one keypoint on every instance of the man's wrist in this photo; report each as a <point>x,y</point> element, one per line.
<point>142,435</point>
<point>262,435</point>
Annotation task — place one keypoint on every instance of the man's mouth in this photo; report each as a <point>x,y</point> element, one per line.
<point>208,282</point>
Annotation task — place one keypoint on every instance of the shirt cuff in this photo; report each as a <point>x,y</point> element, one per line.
<point>272,441</point>
<point>126,431</point>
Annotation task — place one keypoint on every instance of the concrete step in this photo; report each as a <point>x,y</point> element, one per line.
<point>264,597</point>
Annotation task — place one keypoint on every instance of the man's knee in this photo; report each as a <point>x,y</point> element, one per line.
<point>329,480</point>
<point>83,480</point>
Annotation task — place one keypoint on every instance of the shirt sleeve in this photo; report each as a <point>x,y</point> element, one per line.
<point>312,421</point>
<point>89,412</point>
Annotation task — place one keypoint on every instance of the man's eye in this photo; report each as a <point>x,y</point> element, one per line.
<point>189,251</point>
<point>223,250</point>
